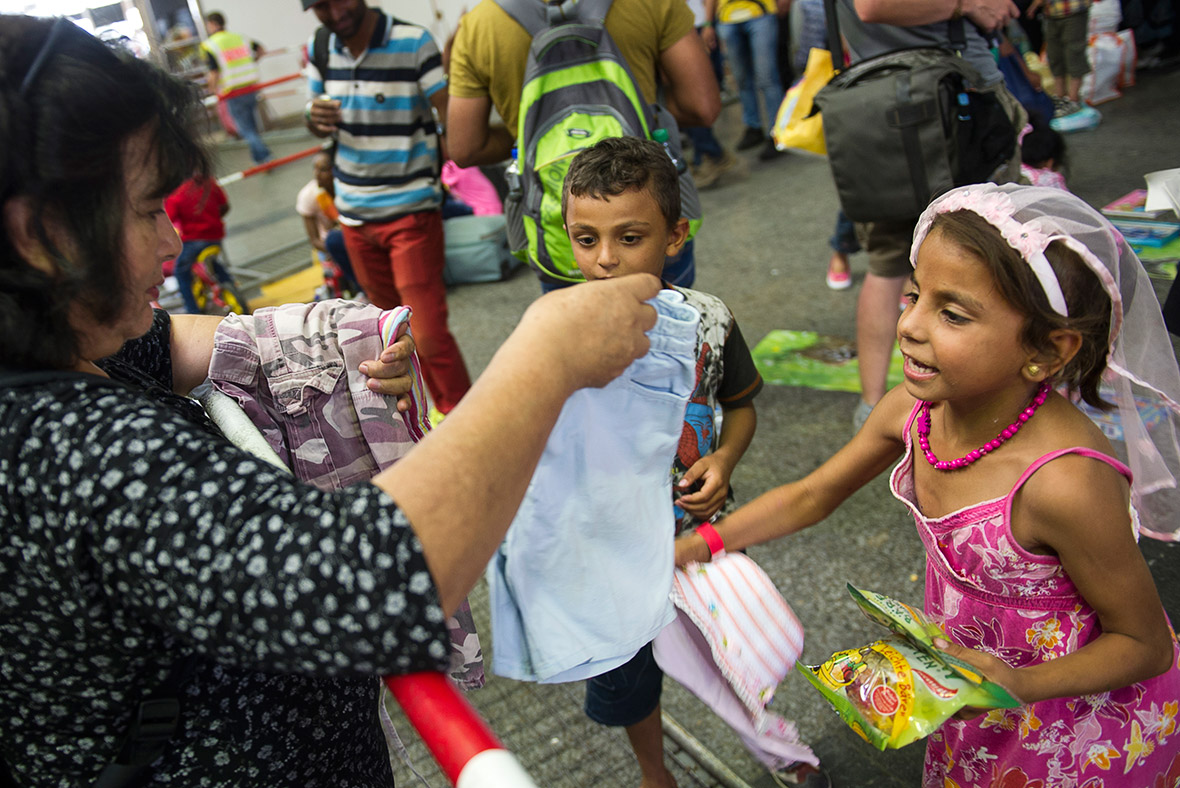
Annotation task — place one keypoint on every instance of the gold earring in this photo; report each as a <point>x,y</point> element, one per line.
<point>1034,370</point>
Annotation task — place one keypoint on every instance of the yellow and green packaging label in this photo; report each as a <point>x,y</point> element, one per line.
<point>900,689</point>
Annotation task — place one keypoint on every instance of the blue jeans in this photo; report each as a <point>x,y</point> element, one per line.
<point>334,243</point>
<point>752,50</point>
<point>241,109</point>
<point>843,239</point>
<point>704,142</point>
<point>183,271</point>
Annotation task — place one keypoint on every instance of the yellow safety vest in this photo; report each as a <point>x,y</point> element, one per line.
<point>235,61</point>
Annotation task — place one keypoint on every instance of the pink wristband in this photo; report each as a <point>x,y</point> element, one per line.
<point>712,538</point>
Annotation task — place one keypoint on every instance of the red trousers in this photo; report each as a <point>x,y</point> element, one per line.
<point>401,262</point>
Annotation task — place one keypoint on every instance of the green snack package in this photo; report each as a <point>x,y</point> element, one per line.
<point>900,689</point>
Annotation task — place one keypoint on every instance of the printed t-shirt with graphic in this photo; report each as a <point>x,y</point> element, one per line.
<point>726,378</point>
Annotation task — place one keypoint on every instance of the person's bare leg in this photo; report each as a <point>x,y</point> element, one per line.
<point>876,329</point>
<point>1075,89</point>
<point>838,263</point>
<point>647,741</point>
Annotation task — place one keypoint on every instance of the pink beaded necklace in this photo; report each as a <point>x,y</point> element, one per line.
<point>990,446</point>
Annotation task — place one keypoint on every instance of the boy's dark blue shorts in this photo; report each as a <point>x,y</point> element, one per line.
<point>627,694</point>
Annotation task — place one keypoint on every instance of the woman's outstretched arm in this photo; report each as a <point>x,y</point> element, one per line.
<point>461,486</point>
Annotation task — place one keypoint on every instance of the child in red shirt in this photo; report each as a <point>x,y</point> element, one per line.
<point>196,209</point>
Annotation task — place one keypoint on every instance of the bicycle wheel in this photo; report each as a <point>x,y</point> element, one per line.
<point>200,292</point>
<point>232,300</point>
<point>204,282</point>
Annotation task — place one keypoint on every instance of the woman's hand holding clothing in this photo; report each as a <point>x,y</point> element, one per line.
<point>461,487</point>
<point>192,349</point>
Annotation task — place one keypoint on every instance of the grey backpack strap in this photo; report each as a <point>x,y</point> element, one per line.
<point>536,16</point>
<point>584,10</point>
<point>529,14</point>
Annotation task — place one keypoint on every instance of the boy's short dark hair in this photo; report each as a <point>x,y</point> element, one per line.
<point>216,18</point>
<point>618,164</point>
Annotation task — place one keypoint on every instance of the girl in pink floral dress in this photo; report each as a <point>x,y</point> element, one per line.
<point>1020,293</point>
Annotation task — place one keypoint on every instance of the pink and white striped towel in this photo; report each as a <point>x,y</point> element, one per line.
<point>753,634</point>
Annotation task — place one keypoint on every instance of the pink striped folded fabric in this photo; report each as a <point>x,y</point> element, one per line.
<point>753,634</point>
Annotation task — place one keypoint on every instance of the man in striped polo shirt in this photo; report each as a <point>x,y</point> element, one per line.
<point>380,81</point>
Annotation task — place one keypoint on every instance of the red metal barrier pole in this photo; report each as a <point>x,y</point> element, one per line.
<point>234,177</point>
<point>259,86</point>
<point>466,750</point>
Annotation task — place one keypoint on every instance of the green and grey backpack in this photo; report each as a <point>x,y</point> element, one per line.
<point>578,89</point>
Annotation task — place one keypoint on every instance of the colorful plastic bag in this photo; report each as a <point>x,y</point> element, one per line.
<point>796,126</point>
<point>895,691</point>
<point>1113,59</point>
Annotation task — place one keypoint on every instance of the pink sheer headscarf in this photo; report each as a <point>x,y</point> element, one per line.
<point>1141,376</point>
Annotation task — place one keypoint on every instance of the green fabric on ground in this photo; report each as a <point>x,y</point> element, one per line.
<point>805,358</point>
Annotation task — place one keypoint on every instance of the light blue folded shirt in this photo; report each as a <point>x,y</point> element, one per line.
<point>581,581</point>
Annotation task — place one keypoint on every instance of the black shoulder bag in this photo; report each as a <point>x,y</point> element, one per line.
<point>903,127</point>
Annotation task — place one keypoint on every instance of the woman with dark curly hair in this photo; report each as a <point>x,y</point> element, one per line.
<point>140,552</point>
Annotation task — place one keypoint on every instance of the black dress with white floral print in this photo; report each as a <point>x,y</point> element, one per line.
<point>132,534</point>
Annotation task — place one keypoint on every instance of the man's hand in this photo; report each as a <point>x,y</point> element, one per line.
<point>989,15</point>
<point>392,373</point>
<point>324,116</point>
<point>709,36</point>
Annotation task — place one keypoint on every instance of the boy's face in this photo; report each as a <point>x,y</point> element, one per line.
<point>623,234</point>
<point>322,167</point>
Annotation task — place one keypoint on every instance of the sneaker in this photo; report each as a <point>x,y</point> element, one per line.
<point>803,775</point>
<point>1084,119</point>
<point>769,151</point>
<point>706,174</point>
<point>731,166</point>
<point>839,280</point>
<point>1064,106</point>
<point>752,138</point>
<point>710,171</point>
